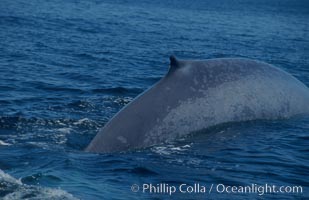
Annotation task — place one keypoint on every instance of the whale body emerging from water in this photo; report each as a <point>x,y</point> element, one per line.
<point>194,95</point>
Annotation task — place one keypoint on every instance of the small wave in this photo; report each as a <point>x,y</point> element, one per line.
<point>143,171</point>
<point>4,143</point>
<point>90,56</point>
<point>64,130</point>
<point>81,121</point>
<point>118,90</point>
<point>9,122</point>
<point>12,189</point>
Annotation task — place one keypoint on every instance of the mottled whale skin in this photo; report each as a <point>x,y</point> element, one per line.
<point>194,95</point>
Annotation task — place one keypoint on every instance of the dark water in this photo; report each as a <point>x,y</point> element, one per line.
<point>67,66</point>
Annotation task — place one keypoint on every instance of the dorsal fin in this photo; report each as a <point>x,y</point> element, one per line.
<point>174,62</point>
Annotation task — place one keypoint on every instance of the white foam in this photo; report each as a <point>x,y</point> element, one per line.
<point>65,130</point>
<point>81,121</point>
<point>170,149</point>
<point>17,190</point>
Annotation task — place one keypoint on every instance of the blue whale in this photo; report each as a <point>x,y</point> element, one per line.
<point>194,95</point>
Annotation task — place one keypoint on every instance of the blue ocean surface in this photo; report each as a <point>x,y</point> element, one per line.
<point>67,66</point>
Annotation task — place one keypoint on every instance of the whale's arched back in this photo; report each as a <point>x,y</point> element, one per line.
<point>197,94</point>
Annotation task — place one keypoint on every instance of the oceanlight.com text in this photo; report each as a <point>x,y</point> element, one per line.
<point>199,188</point>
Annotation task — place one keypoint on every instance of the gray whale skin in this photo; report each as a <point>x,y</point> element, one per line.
<point>194,95</point>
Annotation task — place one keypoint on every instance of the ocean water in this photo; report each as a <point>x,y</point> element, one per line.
<point>66,67</point>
